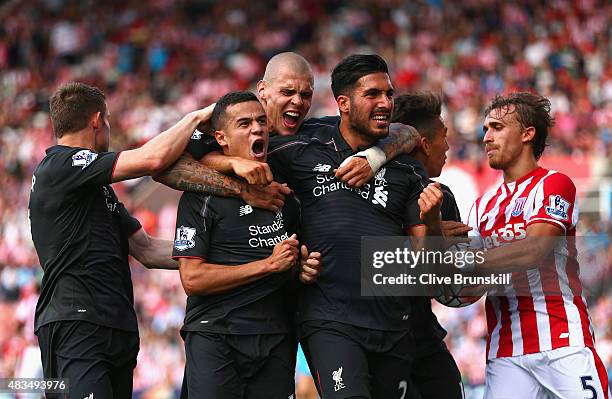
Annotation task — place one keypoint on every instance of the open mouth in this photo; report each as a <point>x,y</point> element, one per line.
<point>291,118</point>
<point>258,148</point>
<point>382,118</point>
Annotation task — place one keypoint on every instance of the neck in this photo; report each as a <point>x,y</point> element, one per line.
<point>352,137</point>
<point>422,158</point>
<point>77,139</point>
<point>520,168</point>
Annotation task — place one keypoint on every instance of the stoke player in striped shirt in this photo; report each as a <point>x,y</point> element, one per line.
<point>540,340</point>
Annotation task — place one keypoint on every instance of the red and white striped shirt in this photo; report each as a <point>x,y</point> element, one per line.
<point>534,320</point>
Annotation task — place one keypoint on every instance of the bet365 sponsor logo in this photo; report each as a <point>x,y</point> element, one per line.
<point>509,232</point>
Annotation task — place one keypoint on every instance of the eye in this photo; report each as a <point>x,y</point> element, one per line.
<point>307,95</point>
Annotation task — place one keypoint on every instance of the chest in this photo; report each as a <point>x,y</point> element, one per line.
<point>503,217</point>
<point>238,224</point>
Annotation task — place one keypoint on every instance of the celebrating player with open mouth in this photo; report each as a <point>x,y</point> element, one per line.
<point>236,266</point>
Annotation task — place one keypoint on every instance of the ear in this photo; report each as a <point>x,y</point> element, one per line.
<point>261,90</point>
<point>96,120</point>
<point>220,137</point>
<point>344,104</point>
<point>425,146</point>
<point>528,134</point>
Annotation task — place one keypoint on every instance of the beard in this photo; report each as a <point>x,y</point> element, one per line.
<point>361,125</point>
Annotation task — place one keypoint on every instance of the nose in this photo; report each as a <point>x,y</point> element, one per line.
<point>257,128</point>
<point>488,137</point>
<point>386,101</point>
<point>297,100</point>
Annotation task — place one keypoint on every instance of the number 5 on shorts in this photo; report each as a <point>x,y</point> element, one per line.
<point>586,387</point>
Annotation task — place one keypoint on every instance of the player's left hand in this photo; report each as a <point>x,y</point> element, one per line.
<point>430,202</point>
<point>355,171</point>
<point>310,266</point>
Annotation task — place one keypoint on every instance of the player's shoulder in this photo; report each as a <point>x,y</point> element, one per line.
<point>283,143</point>
<point>320,128</point>
<point>553,180</point>
<point>410,164</point>
<point>60,158</point>
<point>446,190</point>
<point>321,122</point>
<point>195,201</point>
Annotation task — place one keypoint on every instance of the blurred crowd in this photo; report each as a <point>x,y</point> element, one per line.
<point>159,59</point>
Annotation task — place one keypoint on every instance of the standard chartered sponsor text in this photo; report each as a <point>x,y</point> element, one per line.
<point>328,184</point>
<point>257,231</point>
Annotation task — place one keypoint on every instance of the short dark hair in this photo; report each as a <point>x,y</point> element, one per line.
<point>72,105</point>
<point>420,110</point>
<point>531,110</point>
<point>354,67</point>
<point>217,119</point>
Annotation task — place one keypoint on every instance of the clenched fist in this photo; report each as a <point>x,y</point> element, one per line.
<point>310,266</point>
<point>284,255</point>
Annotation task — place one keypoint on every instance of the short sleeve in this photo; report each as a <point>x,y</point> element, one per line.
<point>193,225</point>
<point>82,167</point>
<point>201,144</point>
<point>129,224</point>
<point>555,202</point>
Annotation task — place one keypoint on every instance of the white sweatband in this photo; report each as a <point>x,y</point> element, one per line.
<point>374,155</point>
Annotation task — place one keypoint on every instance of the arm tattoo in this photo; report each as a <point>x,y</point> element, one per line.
<point>190,175</point>
<point>399,141</point>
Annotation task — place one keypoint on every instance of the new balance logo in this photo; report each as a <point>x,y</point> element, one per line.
<point>337,377</point>
<point>90,396</point>
<point>321,167</point>
<point>380,196</point>
<point>245,210</point>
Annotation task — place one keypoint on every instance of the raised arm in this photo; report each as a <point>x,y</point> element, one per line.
<point>161,151</point>
<point>188,174</point>
<point>359,168</point>
<point>152,252</point>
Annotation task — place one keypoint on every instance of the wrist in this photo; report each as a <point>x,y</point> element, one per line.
<point>375,157</point>
<point>243,189</point>
<point>269,266</point>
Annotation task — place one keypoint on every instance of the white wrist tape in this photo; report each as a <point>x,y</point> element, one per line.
<point>374,155</point>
